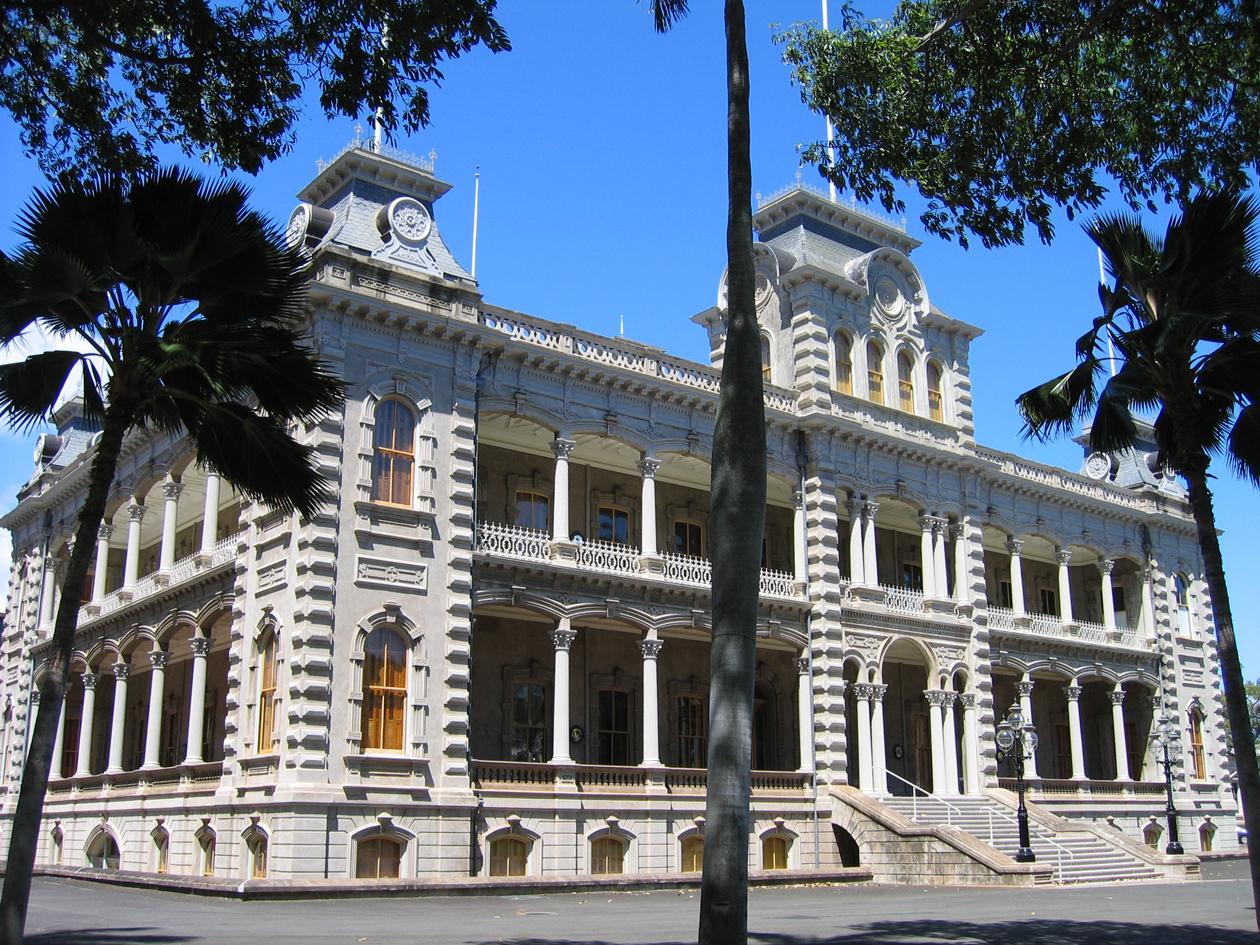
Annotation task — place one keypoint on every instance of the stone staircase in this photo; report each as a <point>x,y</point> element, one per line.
<point>1077,857</point>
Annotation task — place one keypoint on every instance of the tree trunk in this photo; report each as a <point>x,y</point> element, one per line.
<point>1231,670</point>
<point>737,517</point>
<point>24,840</point>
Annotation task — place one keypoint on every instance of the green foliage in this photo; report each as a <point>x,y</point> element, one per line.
<point>95,85</point>
<point>1184,320</point>
<point>999,111</point>
<point>188,313</point>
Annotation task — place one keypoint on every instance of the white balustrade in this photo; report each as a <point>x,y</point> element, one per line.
<point>1092,632</point>
<point>1001,618</point>
<point>608,556</point>
<point>906,600</point>
<point>1046,625</point>
<point>777,584</point>
<point>686,569</point>
<point>513,541</point>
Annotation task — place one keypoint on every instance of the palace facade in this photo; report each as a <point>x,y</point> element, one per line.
<point>491,655</point>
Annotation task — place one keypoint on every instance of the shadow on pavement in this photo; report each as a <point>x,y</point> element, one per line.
<point>930,932</point>
<point>140,935</point>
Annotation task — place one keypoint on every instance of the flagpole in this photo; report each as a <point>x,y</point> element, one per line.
<point>831,131</point>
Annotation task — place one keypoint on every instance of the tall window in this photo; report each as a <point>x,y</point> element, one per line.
<point>1049,600</point>
<point>162,851</point>
<point>936,401</point>
<point>393,453</point>
<point>693,855</point>
<point>1181,597</point>
<point>256,845</point>
<point>208,849</point>
<point>774,853</point>
<point>608,855</point>
<point>765,358</point>
<point>688,538</point>
<point>102,852</point>
<point>266,693</point>
<point>763,746</point>
<point>875,372</point>
<point>613,741</point>
<point>509,856</point>
<point>529,722</point>
<point>378,858</point>
<point>692,744</point>
<point>614,525</point>
<point>532,510</point>
<point>1198,761</point>
<point>905,382</point>
<point>384,690</point>
<point>1206,834</point>
<point>844,363</point>
<point>58,842</point>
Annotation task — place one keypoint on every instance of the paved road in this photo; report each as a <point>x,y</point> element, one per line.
<point>1214,911</point>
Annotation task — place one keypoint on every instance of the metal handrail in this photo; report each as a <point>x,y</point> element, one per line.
<point>915,790</point>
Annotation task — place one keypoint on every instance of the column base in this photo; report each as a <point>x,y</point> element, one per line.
<point>651,564</point>
<point>92,609</point>
<point>563,550</point>
<point>1022,621</point>
<point>868,592</point>
<point>162,578</point>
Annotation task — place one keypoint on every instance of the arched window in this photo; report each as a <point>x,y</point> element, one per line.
<point>208,843</point>
<point>1207,833</point>
<point>765,358</point>
<point>693,854</point>
<point>102,852</point>
<point>161,851</point>
<point>1150,835</point>
<point>58,839</point>
<point>844,363</point>
<point>1181,598</point>
<point>1198,760</point>
<point>378,858</point>
<point>936,399</point>
<point>509,856</point>
<point>256,845</point>
<point>384,690</point>
<point>393,453</point>
<point>608,856</point>
<point>266,692</point>
<point>774,852</point>
<point>875,372</point>
<point>905,382</point>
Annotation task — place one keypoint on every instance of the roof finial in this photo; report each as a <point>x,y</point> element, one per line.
<point>622,332</point>
<point>358,132</point>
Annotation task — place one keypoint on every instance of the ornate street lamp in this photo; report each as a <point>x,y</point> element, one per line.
<point>1167,740</point>
<point>1016,739</point>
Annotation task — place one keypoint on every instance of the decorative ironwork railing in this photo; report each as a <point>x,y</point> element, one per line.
<point>1001,618</point>
<point>1092,632</point>
<point>513,541</point>
<point>687,569</point>
<point>534,775</point>
<point>777,584</point>
<point>906,600</point>
<point>1046,625</point>
<point>608,556</point>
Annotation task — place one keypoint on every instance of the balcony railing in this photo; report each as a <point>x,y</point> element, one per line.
<point>542,776</point>
<point>181,571</point>
<point>530,544</point>
<point>1001,618</point>
<point>904,600</point>
<point>1052,625</point>
<point>1068,787</point>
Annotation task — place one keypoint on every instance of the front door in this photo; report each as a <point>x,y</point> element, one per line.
<point>921,750</point>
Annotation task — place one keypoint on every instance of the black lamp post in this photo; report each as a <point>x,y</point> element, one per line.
<point>1015,737</point>
<point>1167,741</point>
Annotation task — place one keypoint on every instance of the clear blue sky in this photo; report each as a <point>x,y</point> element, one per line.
<point>602,153</point>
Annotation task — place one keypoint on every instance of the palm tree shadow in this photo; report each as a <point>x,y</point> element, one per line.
<point>139,935</point>
<point>1034,932</point>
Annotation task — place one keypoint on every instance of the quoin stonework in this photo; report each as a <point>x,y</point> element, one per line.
<point>490,655</point>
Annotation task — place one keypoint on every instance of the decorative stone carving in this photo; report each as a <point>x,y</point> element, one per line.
<point>968,699</point>
<point>1063,556</point>
<point>650,648</point>
<point>563,639</point>
<point>649,467</point>
<point>89,681</point>
<point>863,691</point>
<point>200,646</point>
<point>121,672</point>
<point>1025,687</point>
<point>1073,693</point>
<point>802,666</point>
<point>935,697</point>
<point>159,659</point>
<point>1106,567</point>
<point>878,691</point>
<point>1116,696</point>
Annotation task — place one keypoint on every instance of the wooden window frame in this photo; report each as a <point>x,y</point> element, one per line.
<point>905,384</point>
<point>535,498</point>
<point>935,395</point>
<point>268,670</point>
<point>388,694</point>
<point>688,524</point>
<point>844,364</point>
<point>875,373</point>
<point>501,865</point>
<point>392,455</point>
<point>616,511</point>
<point>606,842</point>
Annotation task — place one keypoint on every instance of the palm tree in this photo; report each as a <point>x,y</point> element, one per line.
<point>190,308</point>
<point>1184,319</point>
<point>737,521</point>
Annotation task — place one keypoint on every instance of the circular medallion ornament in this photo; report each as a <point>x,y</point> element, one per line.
<point>1097,465</point>
<point>888,296</point>
<point>409,221</point>
<point>299,221</point>
<point>763,289</point>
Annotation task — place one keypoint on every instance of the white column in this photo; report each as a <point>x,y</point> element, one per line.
<point>153,734</point>
<point>971,745</point>
<point>926,556</point>
<point>1109,602</point>
<point>131,570</point>
<point>959,534</point>
<point>1117,729</point>
<point>1148,601</point>
<point>85,726</point>
<point>170,510</point>
<point>47,591</point>
<point>118,719</point>
<point>879,750</point>
<point>798,536</point>
<point>939,574</point>
<point>650,649</point>
<point>560,511</point>
<point>1015,546</point>
<point>54,772</point>
<point>805,713</point>
<point>855,541</point>
<point>648,466</point>
<point>1025,688</point>
<point>936,710</point>
<point>870,565</point>
<point>1063,556</point>
<point>1073,693</point>
<point>197,700</point>
<point>561,639</point>
<point>210,514</point>
<point>862,695</point>
<point>949,737</point>
<point>101,568</point>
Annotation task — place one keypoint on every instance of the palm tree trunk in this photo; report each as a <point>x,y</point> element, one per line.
<point>738,511</point>
<point>1231,669</point>
<point>25,838</point>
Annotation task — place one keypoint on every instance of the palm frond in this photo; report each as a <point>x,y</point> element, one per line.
<point>1050,409</point>
<point>29,388</point>
<point>665,13</point>
<point>1243,451</point>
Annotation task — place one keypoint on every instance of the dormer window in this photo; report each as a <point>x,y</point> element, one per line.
<point>875,372</point>
<point>905,382</point>
<point>765,358</point>
<point>844,363</point>
<point>936,402</point>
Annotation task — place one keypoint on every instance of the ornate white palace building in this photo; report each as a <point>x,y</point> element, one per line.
<point>490,655</point>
